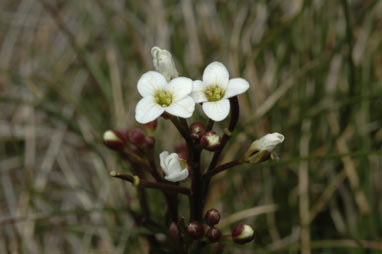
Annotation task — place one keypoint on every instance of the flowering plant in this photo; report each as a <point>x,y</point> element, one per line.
<point>166,95</point>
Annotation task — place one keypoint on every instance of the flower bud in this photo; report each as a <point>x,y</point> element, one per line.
<point>173,232</point>
<point>137,137</point>
<point>261,149</point>
<point>151,125</point>
<point>113,140</point>
<point>181,150</point>
<point>197,130</point>
<point>214,234</point>
<point>195,229</point>
<point>210,141</point>
<point>212,217</point>
<point>242,234</point>
<point>149,142</point>
<point>163,63</point>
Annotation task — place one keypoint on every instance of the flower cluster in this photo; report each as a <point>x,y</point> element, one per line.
<point>178,96</point>
<point>166,94</point>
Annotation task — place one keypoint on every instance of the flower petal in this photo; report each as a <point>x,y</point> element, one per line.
<point>162,156</point>
<point>198,94</point>
<point>216,110</point>
<point>178,176</point>
<point>180,87</point>
<point>236,86</point>
<point>216,74</point>
<point>147,110</point>
<point>173,163</point>
<point>182,108</point>
<point>150,82</point>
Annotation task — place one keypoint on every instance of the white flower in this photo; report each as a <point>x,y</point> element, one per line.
<point>164,63</point>
<point>215,89</point>
<point>267,143</point>
<point>160,96</point>
<point>261,149</point>
<point>170,164</point>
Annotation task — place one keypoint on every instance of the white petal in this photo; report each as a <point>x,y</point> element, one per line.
<point>178,176</point>
<point>236,86</point>
<point>173,163</point>
<point>147,110</point>
<point>216,110</point>
<point>150,82</point>
<point>162,156</point>
<point>182,108</point>
<point>216,74</point>
<point>198,94</point>
<point>268,142</point>
<point>180,87</point>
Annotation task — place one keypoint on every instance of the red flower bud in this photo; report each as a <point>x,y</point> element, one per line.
<point>210,141</point>
<point>242,234</point>
<point>214,234</point>
<point>195,229</point>
<point>181,150</point>
<point>151,125</point>
<point>212,217</point>
<point>150,142</point>
<point>173,232</point>
<point>114,140</point>
<point>197,130</point>
<point>137,137</point>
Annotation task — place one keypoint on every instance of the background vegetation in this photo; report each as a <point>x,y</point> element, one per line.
<point>68,72</point>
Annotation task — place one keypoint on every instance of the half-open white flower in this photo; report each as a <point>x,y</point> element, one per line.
<point>262,148</point>
<point>170,164</point>
<point>160,96</point>
<point>163,63</point>
<point>215,89</point>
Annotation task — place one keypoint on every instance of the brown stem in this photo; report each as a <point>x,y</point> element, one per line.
<point>225,166</point>
<point>168,188</point>
<point>234,103</point>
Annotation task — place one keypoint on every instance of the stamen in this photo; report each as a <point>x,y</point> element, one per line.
<point>214,93</point>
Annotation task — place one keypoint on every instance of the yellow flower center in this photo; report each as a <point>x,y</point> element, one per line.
<point>163,98</point>
<point>214,93</point>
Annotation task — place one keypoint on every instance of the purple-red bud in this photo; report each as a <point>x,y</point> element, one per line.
<point>195,229</point>
<point>137,137</point>
<point>114,140</point>
<point>151,125</point>
<point>212,217</point>
<point>181,150</point>
<point>214,234</point>
<point>150,141</point>
<point>210,141</point>
<point>243,234</point>
<point>173,232</point>
<point>197,130</point>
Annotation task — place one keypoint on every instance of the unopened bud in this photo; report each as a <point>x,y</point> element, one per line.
<point>212,217</point>
<point>151,125</point>
<point>261,149</point>
<point>149,142</point>
<point>195,229</point>
<point>173,232</point>
<point>163,63</point>
<point>210,141</point>
<point>214,234</point>
<point>242,234</point>
<point>197,130</point>
<point>113,140</point>
<point>137,137</point>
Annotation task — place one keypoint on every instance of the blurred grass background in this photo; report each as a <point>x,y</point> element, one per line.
<point>68,72</point>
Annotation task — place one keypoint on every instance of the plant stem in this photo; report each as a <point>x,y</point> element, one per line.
<point>234,103</point>
<point>225,166</point>
<point>196,186</point>
<point>168,188</point>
